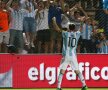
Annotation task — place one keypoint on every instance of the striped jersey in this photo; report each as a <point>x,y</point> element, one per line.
<point>29,4</point>
<point>17,17</point>
<point>86,32</point>
<point>70,40</point>
<point>104,48</point>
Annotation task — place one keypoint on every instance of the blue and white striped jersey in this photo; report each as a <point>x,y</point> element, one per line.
<point>86,32</point>
<point>70,40</point>
<point>29,4</point>
<point>17,17</point>
<point>104,48</point>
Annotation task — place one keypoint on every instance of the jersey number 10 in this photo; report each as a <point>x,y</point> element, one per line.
<point>72,42</point>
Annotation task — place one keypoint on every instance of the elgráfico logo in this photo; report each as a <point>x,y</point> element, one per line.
<point>51,73</point>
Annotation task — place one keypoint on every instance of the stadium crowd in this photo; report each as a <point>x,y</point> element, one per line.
<point>26,26</point>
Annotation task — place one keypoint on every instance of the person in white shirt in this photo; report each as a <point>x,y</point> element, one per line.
<point>43,32</point>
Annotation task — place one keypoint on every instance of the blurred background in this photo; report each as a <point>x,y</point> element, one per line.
<point>26,25</point>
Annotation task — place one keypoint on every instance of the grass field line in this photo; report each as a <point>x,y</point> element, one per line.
<point>63,89</point>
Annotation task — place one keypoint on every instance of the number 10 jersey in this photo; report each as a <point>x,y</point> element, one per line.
<point>70,40</point>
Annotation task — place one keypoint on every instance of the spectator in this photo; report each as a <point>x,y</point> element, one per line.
<point>94,36</point>
<point>4,30</point>
<point>16,25</point>
<point>55,10</point>
<point>78,19</point>
<point>39,17</point>
<point>29,21</point>
<point>86,4</point>
<point>87,30</point>
<point>106,21</point>
<point>43,31</point>
<point>103,45</point>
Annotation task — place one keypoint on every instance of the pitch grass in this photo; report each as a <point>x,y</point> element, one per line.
<point>63,89</point>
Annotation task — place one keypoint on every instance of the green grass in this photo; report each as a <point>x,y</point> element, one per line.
<point>63,89</point>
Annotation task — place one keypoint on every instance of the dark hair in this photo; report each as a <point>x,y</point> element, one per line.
<point>71,26</point>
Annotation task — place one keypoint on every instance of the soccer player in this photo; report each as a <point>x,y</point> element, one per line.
<point>70,40</point>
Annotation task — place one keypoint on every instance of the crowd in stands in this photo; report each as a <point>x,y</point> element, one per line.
<point>26,26</point>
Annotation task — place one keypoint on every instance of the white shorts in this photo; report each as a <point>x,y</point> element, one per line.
<point>72,61</point>
<point>4,37</point>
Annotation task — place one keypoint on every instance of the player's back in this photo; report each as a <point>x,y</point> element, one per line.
<point>70,40</point>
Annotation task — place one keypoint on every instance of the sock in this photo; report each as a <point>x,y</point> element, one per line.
<point>82,79</point>
<point>60,77</point>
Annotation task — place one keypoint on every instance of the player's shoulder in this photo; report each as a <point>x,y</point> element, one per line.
<point>64,33</point>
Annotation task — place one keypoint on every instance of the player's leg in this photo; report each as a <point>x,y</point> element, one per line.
<point>60,77</point>
<point>75,67</point>
<point>63,67</point>
<point>80,75</point>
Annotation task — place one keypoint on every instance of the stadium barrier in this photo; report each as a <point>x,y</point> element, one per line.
<point>41,71</point>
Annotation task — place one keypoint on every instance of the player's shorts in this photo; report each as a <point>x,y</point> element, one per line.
<point>4,37</point>
<point>72,61</point>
